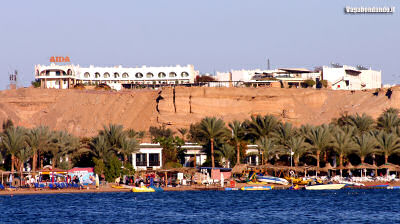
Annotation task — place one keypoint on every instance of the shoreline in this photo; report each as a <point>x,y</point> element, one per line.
<point>109,189</point>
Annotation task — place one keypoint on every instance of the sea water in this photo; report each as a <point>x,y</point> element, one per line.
<point>277,206</point>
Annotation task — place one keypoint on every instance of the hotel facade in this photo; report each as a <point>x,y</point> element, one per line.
<point>66,76</point>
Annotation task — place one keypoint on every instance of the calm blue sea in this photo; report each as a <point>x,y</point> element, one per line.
<point>280,206</point>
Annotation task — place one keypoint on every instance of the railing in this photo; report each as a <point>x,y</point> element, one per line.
<point>154,163</point>
<point>141,163</point>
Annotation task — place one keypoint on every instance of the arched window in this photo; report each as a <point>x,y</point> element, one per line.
<point>97,75</point>
<point>106,75</point>
<point>161,75</point>
<point>149,75</point>
<point>86,75</point>
<point>185,74</point>
<point>139,75</point>
<point>172,74</point>
<point>69,72</point>
<point>125,75</point>
<point>116,75</point>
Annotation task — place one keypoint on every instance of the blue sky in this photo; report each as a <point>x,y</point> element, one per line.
<point>214,35</point>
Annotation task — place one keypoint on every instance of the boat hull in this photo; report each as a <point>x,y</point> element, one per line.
<point>272,180</point>
<point>325,187</point>
<point>142,189</point>
<point>256,188</point>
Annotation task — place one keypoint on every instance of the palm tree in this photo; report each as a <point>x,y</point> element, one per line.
<point>62,145</point>
<point>319,140</point>
<point>283,133</point>
<point>99,147</point>
<point>226,151</point>
<point>211,128</point>
<point>114,135</point>
<point>365,145</point>
<point>388,120</point>
<point>128,147</point>
<point>362,123</point>
<point>238,134</point>
<point>343,143</point>
<point>297,147</point>
<point>388,144</point>
<point>183,132</point>
<point>38,140</point>
<point>23,155</point>
<point>260,126</point>
<point>14,140</point>
<point>267,147</point>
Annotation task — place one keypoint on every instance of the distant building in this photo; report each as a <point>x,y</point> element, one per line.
<point>66,76</point>
<point>344,77</point>
<point>258,77</point>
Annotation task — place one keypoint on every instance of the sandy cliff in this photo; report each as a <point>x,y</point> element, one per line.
<point>84,112</point>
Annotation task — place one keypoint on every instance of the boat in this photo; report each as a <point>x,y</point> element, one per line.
<point>121,186</point>
<point>231,189</point>
<point>272,180</point>
<point>350,183</point>
<point>325,187</point>
<point>299,181</point>
<point>142,189</point>
<point>257,188</point>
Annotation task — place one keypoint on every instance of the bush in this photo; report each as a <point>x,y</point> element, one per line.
<point>324,83</point>
<point>36,83</point>
<point>309,83</point>
<point>102,86</point>
<point>170,165</point>
<point>113,169</point>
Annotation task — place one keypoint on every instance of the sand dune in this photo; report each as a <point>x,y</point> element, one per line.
<point>84,112</point>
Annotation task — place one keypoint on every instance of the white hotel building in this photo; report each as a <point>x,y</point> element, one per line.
<point>66,76</point>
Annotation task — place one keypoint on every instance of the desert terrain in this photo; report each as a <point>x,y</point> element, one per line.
<point>84,112</point>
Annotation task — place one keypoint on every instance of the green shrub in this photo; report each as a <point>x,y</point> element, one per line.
<point>309,83</point>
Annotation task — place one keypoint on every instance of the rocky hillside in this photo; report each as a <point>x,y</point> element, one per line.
<point>84,112</point>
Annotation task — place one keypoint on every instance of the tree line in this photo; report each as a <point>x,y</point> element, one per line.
<point>354,139</point>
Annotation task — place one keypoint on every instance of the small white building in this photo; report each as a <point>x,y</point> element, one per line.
<point>344,77</point>
<point>194,153</point>
<point>149,156</point>
<point>66,76</point>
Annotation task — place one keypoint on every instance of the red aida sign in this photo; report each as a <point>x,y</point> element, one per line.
<point>59,59</point>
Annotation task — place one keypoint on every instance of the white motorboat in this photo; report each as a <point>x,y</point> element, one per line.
<point>325,187</point>
<point>272,180</point>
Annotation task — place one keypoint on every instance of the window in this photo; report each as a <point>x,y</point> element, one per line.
<point>172,74</point>
<point>184,74</point>
<point>69,72</point>
<point>116,75</point>
<point>149,75</point>
<point>125,75</point>
<point>106,75</point>
<point>139,75</point>
<point>154,159</point>
<point>57,73</point>
<point>161,75</point>
<point>86,75</point>
<point>97,75</point>
<point>141,159</point>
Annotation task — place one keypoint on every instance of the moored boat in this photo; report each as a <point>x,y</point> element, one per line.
<point>325,187</point>
<point>142,189</point>
<point>272,180</point>
<point>257,188</point>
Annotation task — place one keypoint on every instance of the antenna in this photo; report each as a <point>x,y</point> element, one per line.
<point>13,80</point>
<point>268,64</point>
